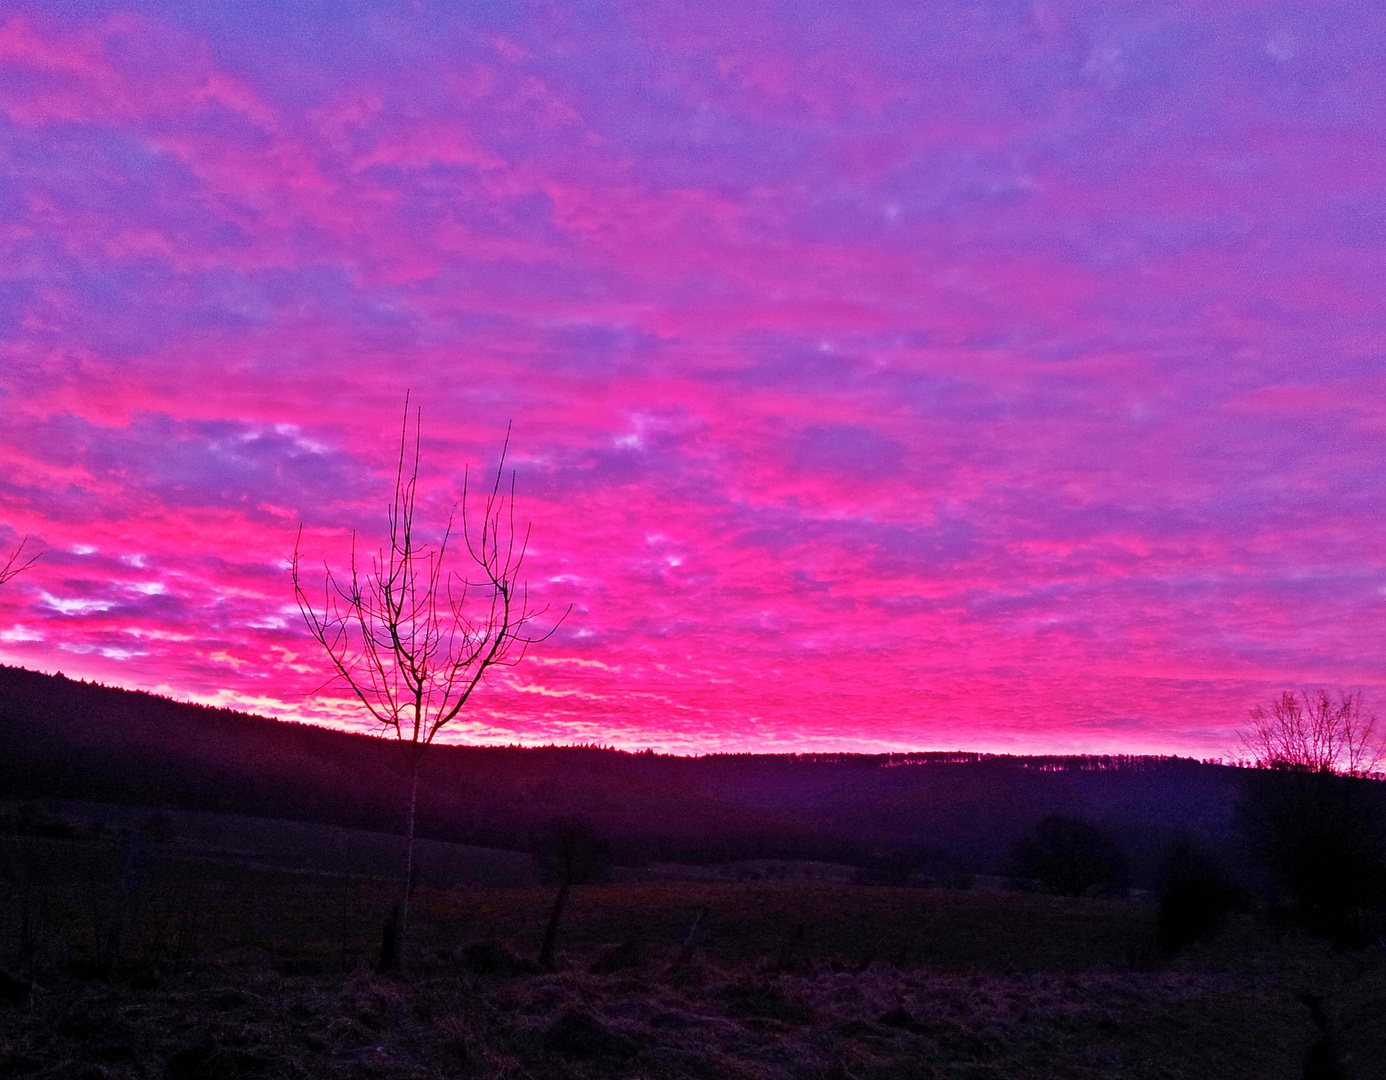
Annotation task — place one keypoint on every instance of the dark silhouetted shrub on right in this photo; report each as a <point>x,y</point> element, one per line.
<point>1072,857</point>
<point>1321,836</point>
<point>1195,897</point>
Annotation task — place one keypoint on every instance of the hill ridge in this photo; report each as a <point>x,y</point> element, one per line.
<point>73,739</point>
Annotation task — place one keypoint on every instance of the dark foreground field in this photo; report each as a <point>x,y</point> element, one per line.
<point>147,962</point>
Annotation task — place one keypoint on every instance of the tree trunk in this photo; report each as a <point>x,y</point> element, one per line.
<point>402,940</point>
<point>551,932</point>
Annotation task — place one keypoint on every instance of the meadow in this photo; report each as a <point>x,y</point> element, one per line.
<point>151,954</point>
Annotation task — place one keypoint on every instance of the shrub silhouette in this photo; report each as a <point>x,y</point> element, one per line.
<point>1072,857</point>
<point>1320,835</point>
<point>1194,896</point>
<point>569,852</point>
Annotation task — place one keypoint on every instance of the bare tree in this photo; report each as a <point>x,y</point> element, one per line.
<point>17,563</point>
<point>411,637</point>
<point>1315,731</point>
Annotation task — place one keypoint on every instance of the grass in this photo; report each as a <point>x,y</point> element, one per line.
<point>227,970</point>
<point>980,931</point>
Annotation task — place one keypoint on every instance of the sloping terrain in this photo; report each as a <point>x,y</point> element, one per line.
<point>70,740</point>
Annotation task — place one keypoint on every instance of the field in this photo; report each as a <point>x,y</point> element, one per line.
<point>153,960</point>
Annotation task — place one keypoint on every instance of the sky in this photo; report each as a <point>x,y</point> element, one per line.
<point>879,376</point>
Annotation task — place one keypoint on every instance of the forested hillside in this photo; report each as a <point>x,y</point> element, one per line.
<point>65,739</point>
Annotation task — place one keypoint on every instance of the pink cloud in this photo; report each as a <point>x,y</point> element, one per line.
<point>913,379</point>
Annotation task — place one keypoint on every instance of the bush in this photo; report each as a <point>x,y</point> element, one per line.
<point>1321,836</point>
<point>1072,857</point>
<point>1194,896</point>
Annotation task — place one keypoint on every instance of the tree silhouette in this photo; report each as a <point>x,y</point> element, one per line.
<point>1315,731</point>
<point>1072,857</point>
<point>1194,895</point>
<point>411,637</point>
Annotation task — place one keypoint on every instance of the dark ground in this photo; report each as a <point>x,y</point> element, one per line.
<point>149,961</point>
